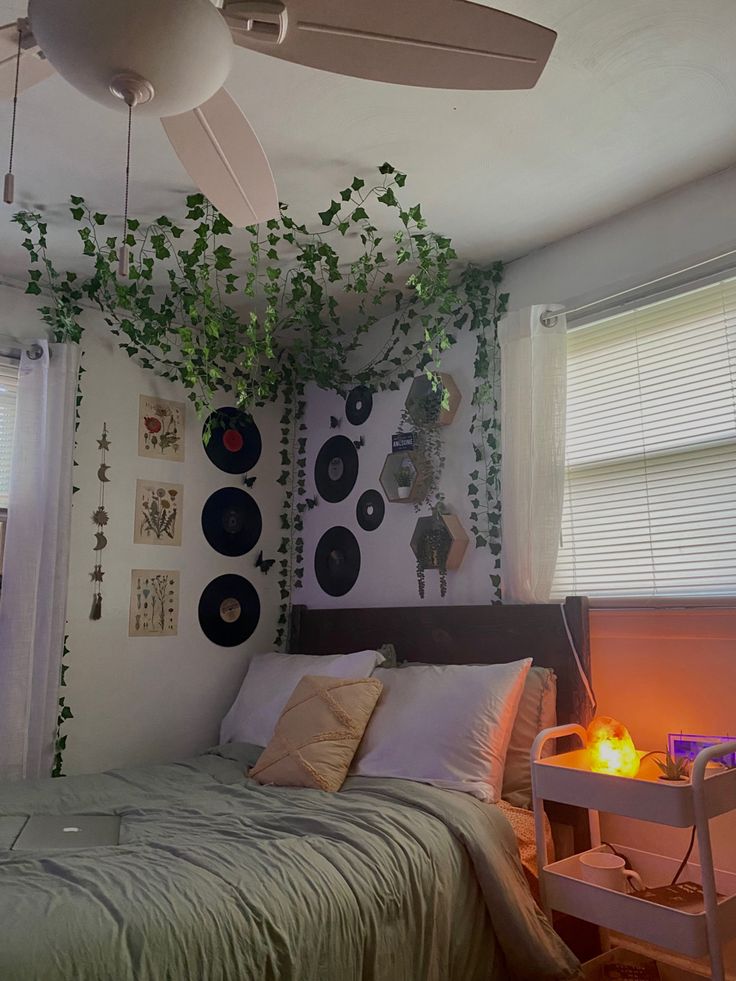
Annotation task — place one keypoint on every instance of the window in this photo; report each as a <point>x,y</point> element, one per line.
<point>8,390</point>
<point>650,497</point>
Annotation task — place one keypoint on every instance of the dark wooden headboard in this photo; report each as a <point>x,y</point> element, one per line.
<point>491,634</point>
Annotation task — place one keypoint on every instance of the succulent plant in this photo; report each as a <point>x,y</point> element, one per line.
<point>672,768</point>
<point>404,477</point>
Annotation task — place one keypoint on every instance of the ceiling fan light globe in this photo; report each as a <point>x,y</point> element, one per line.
<point>183,48</point>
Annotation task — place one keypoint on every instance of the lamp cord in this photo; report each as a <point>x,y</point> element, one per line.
<point>15,101</point>
<point>127,171</point>
<point>9,184</point>
<point>123,260</point>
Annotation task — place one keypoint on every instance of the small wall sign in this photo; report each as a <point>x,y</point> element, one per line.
<point>401,442</point>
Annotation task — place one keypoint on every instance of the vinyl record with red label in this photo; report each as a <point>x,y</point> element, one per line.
<point>229,610</point>
<point>231,521</point>
<point>337,561</point>
<point>234,445</point>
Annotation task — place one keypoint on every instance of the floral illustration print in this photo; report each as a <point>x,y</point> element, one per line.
<point>157,513</point>
<point>161,429</point>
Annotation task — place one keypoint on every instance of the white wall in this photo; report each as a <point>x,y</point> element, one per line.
<point>667,233</point>
<point>388,567</point>
<point>144,699</point>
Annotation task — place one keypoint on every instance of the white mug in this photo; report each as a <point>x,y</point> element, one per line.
<point>609,871</point>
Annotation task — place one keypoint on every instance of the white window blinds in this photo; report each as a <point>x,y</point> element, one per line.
<point>8,391</point>
<point>650,498</point>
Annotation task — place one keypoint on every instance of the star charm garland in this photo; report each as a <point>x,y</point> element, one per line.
<point>100,519</point>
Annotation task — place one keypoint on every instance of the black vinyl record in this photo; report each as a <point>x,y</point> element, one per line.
<point>358,405</point>
<point>370,510</point>
<point>229,610</point>
<point>231,521</point>
<point>336,469</point>
<point>337,561</point>
<point>234,445</point>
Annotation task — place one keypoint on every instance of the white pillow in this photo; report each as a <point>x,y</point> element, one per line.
<point>269,682</point>
<point>447,725</point>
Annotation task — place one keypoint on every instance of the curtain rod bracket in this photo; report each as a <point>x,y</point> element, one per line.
<point>549,318</point>
<point>34,352</point>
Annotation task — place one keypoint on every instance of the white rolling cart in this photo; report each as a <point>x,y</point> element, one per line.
<point>567,778</point>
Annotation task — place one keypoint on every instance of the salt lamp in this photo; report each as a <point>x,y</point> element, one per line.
<point>611,748</point>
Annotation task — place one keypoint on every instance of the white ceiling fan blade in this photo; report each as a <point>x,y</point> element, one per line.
<point>225,159</point>
<point>33,66</point>
<point>449,44</point>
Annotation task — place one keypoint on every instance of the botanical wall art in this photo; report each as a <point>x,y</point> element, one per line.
<point>161,429</point>
<point>154,603</point>
<point>158,513</point>
<point>100,518</point>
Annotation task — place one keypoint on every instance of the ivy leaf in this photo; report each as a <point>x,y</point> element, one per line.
<point>328,215</point>
<point>77,213</point>
<point>386,168</point>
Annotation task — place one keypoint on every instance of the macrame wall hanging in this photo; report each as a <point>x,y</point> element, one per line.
<point>100,519</point>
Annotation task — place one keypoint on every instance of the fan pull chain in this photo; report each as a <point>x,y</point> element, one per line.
<point>123,254</point>
<point>9,186</point>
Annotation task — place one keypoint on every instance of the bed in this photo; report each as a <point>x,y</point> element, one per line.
<point>218,878</point>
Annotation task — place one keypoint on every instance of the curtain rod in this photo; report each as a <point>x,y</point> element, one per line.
<point>550,317</point>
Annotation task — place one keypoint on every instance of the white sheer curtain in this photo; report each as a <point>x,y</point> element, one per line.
<point>33,598</point>
<point>533,407</point>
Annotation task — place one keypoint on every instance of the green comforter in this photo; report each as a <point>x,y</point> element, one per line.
<point>219,879</point>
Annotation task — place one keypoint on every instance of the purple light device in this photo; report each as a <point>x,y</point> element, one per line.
<point>684,746</point>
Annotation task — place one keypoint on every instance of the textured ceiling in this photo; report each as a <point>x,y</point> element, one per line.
<point>637,98</point>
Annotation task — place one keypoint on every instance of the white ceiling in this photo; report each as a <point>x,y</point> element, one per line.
<point>637,98</point>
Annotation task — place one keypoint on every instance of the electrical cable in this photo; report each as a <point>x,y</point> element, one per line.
<point>9,188</point>
<point>686,859</point>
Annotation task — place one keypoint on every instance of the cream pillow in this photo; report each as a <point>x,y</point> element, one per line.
<point>448,725</point>
<point>318,733</point>
<point>270,680</point>
<point>537,711</point>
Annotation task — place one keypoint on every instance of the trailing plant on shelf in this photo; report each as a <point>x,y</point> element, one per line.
<point>404,479</point>
<point>432,549</point>
<point>429,458</point>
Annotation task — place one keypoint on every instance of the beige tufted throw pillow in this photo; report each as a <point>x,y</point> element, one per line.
<point>318,733</point>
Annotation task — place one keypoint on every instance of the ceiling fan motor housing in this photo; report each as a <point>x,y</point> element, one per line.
<point>182,49</point>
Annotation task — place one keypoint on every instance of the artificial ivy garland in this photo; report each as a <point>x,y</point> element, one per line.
<point>197,314</point>
<point>264,332</point>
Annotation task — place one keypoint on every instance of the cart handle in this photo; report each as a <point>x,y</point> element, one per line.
<point>557,732</point>
<point>705,756</point>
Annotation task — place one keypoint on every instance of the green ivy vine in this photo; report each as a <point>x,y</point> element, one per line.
<point>258,311</point>
<point>486,305</point>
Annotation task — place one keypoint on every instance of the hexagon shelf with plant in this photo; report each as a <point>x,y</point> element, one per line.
<point>424,404</point>
<point>439,541</point>
<point>403,478</point>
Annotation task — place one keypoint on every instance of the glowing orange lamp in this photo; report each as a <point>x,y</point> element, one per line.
<point>611,748</point>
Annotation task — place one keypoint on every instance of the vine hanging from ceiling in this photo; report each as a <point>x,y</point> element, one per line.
<point>257,311</point>
<point>262,312</point>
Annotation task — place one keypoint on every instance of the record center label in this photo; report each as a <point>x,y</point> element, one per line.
<point>230,610</point>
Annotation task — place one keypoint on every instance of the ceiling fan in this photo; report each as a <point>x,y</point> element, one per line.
<point>171,58</point>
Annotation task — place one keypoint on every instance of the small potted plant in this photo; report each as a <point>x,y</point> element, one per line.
<point>673,770</point>
<point>404,481</point>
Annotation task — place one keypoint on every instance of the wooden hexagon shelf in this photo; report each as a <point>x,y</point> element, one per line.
<point>458,540</point>
<point>424,404</point>
<point>407,460</point>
